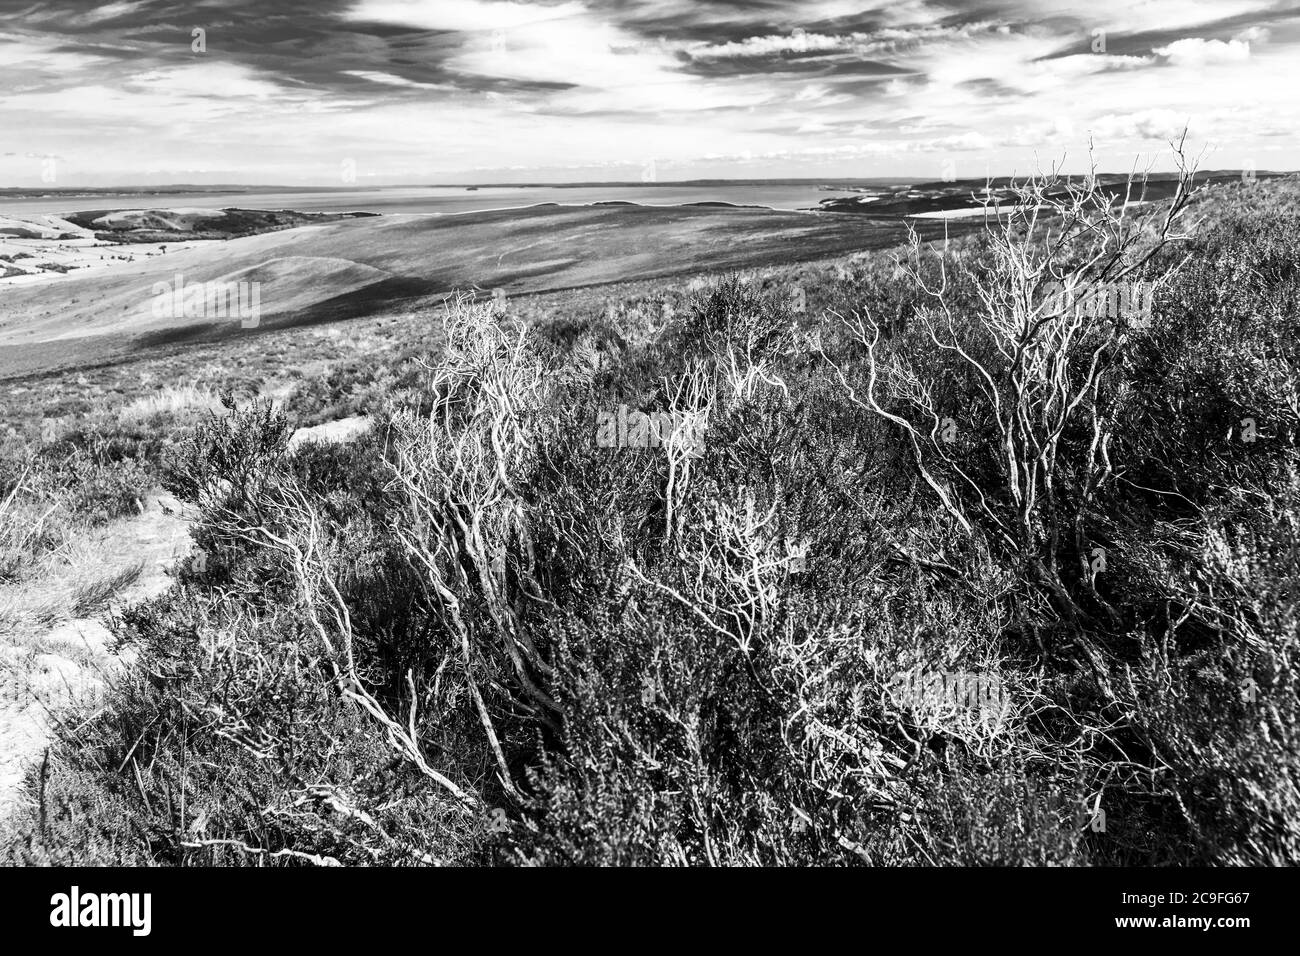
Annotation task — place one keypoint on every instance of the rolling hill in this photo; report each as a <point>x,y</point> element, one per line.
<point>356,267</point>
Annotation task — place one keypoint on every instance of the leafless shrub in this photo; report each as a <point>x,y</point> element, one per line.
<point>1037,363</point>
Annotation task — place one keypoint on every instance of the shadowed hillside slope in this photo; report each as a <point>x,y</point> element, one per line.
<point>356,267</point>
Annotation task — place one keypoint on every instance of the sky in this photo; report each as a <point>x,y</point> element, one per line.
<point>384,92</point>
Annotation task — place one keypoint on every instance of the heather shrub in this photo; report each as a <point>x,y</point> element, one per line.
<point>482,634</point>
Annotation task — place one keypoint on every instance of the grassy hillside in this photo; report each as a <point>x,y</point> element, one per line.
<point>491,630</point>
<point>167,225</point>
<point>363,266</point>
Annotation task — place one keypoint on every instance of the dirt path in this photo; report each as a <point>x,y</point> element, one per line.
<point>54,645</point>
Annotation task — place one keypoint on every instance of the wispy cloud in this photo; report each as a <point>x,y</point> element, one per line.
<point>282,90</point>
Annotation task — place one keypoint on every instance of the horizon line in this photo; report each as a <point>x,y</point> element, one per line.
<point>797,180</point>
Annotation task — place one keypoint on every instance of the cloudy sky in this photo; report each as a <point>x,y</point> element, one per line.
<point>418,91</point>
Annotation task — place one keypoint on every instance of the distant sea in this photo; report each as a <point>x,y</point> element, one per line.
<point>433,199</point>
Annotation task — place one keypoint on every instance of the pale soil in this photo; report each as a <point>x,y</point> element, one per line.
<point>49,657</point>
<point>344,429</point>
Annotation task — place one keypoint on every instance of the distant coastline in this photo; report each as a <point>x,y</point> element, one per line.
<point>41,239</point>
<point>817,184</point>
<point>41,192</point>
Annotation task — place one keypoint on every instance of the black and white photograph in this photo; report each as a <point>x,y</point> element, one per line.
<point>854,437</point>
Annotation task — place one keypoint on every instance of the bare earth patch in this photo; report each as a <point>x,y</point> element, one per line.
<point>342,430</point>
<point>54,643</point>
